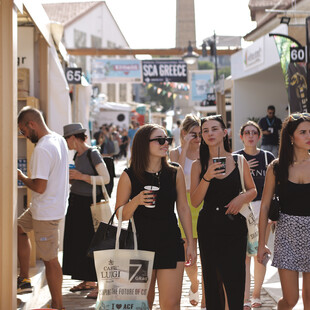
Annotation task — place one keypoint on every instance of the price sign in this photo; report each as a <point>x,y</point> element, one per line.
<point>74,75</point>
<point>298,54</point>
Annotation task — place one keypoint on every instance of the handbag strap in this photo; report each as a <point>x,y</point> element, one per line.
<point>119,227</point>
<point>94,192</point>
<point>240,166</point>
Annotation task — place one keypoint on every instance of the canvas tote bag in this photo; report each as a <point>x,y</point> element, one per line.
<point>247,212</point>
<point>100,211</point>
<point>123,275</point>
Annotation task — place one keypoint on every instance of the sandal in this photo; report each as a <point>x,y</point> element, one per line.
<point>93,294</point>
<point>256,303</point>
<point>82,287</point>
<point>193,297</point>
<point>247,305</point>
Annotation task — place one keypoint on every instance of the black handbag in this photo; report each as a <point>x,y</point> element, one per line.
<point>105,237</point>
<point>275,208</point>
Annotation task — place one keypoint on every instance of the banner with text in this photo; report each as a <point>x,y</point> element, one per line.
<point>201,83</point>
<point>116,70</point>
<point>164,71</point>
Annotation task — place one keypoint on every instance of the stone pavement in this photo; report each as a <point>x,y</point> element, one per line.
<point>78,301</point>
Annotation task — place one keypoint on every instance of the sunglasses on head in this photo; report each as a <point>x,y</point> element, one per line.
<point>296,116</point>
<point>216,117</point>
<point>162,140</point>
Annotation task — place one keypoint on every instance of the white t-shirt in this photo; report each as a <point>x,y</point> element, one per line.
<point>49,162</point>
<point>176,136</point>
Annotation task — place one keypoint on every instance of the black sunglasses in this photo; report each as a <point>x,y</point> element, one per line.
<point>162,141</point>
<point>296,116</point>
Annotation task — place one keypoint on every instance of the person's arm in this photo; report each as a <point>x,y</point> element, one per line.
<point>174,155</point>
<point>36,185</point>
<point>123,197</point>
<point>236,204</point>
<point>185,215</point>
<point>199,187</point>
<point>269,189</point>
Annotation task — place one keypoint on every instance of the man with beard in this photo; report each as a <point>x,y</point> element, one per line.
<point>49,184</point>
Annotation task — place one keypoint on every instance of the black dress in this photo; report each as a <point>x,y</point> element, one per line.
<point>222,243</point>
<point>157,228</point>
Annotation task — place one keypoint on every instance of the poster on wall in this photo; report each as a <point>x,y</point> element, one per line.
<point>201,84</point>
<point>169,70</point>
<point>116,70</point>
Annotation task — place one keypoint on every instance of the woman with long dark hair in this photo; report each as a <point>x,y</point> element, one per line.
<point>289,176</point>
<point>222,231</point>
<point>157,227</point>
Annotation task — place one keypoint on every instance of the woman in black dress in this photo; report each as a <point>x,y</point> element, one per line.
<point>222,231</point>
<point>157,228</point>
<point>290,173</point>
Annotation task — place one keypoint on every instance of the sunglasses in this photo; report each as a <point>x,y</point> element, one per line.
<point>162,141</point>
<point>296,116</point>
<point>21,132</point>
<point>216,117</point>
<point>195,135</point>
<point>250,132</point>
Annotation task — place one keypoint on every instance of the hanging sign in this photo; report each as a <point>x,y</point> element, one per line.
<point>74,75</point>
<point>164,71</point>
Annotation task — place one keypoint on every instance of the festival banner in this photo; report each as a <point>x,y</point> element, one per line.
<point>201,83</point>
<point>295,74</point>
<point>116,70</point>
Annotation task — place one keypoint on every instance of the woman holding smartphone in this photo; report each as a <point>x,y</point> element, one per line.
<point>185,155</point>
<point>222,231</point>
<point>290,174</point>
<point>157,227</point>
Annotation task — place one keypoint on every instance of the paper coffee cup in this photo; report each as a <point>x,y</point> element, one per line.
<point>222,160</point>
<point>154,190</point>
<point>71,166</point>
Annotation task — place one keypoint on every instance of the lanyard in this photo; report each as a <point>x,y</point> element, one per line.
<point>270,124</point>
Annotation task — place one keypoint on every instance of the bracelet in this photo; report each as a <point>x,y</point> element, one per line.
<point>206,180</point>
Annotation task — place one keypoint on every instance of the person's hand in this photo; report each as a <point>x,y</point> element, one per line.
<point>191,255</point>
<point>19,174</point>
<point>145,198</point>
<point>261,252</point>
<point>234,205</point>
<point>75,174</point>
<point>187,140</point>
<point>253,163</point>
<point>211,172</point>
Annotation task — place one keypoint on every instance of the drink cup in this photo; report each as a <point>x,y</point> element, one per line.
<point>153,194</point>
<point>71,166</point>
<point>222,160</point>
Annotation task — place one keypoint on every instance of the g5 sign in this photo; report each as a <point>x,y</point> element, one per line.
<point>74,75</point>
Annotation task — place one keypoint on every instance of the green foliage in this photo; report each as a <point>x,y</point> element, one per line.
<point>162,98</point>
<point>205,65</point>
<point>254,119</point>
<point>225,71</point>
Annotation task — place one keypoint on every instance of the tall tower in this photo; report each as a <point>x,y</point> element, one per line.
<point>185,23</point>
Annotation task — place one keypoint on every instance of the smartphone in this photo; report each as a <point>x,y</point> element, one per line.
<point>266,259</point>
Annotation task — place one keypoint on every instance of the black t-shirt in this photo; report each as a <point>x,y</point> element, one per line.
<point>273,125</point>
<point>259,172</point>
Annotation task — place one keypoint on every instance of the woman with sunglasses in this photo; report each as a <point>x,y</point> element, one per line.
<point>290,173</point>
<point>185,155</point>
<point>222,231</point>
<point>157,227</point>
<point>258,160</point>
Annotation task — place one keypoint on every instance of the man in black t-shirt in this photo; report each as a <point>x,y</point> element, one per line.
<point>270,126</point>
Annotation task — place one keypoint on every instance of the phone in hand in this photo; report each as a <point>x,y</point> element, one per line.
<point>266,259</point>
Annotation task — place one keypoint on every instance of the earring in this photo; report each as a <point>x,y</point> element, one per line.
<point>292,142</point>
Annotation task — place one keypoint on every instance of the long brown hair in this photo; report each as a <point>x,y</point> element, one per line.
<point>140,152</point>
<point>286,150</point>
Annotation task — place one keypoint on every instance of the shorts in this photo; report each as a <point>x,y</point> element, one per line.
<point>45,233</point>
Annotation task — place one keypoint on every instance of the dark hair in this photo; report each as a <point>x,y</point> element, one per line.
<point>271,107</point>
<point>28,114</point>
<point>204,151</point>
<point>286,150</point>
<point>81,136</point>
<point>140,151</point>
<point>250,123</point>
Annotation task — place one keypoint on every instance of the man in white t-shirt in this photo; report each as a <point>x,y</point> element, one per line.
<point>176,134</point>
<point>49,184</point>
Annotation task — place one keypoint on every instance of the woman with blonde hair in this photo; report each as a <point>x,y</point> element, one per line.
<point>185,155</point>
<point>157,228</point>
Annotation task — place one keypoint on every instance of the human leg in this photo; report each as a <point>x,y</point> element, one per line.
<point>170,287</point>
<point>306,290</point>
<point>23,250</point>
<point>290,290</point>
<point>247,283</point>
<point>151,293</point>
<point>259,275</point>
<point>53,273</point>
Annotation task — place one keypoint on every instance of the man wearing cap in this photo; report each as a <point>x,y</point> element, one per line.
<point>49,184</point>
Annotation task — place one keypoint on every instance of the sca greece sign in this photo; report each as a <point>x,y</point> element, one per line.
<point>164,71</point>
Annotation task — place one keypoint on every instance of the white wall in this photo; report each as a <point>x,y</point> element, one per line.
<point>253,94</point>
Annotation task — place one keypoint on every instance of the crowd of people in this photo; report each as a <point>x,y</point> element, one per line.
<point>201,177</point>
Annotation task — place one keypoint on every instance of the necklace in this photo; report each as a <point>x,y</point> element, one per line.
<point>297,162</point>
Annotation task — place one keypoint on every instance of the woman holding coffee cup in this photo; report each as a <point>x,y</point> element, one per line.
<point>222,231</point>
<point>258,161</point>
<point>157,227</point>
<point>185,155</point>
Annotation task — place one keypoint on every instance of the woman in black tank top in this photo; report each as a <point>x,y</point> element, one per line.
<point>157,226</point>
<point>222,231</point>
<point>290,173</point>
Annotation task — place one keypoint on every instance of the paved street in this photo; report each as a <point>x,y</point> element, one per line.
<point>78,301</point>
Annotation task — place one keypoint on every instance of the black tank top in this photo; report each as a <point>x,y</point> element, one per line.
<point>295,199</point>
